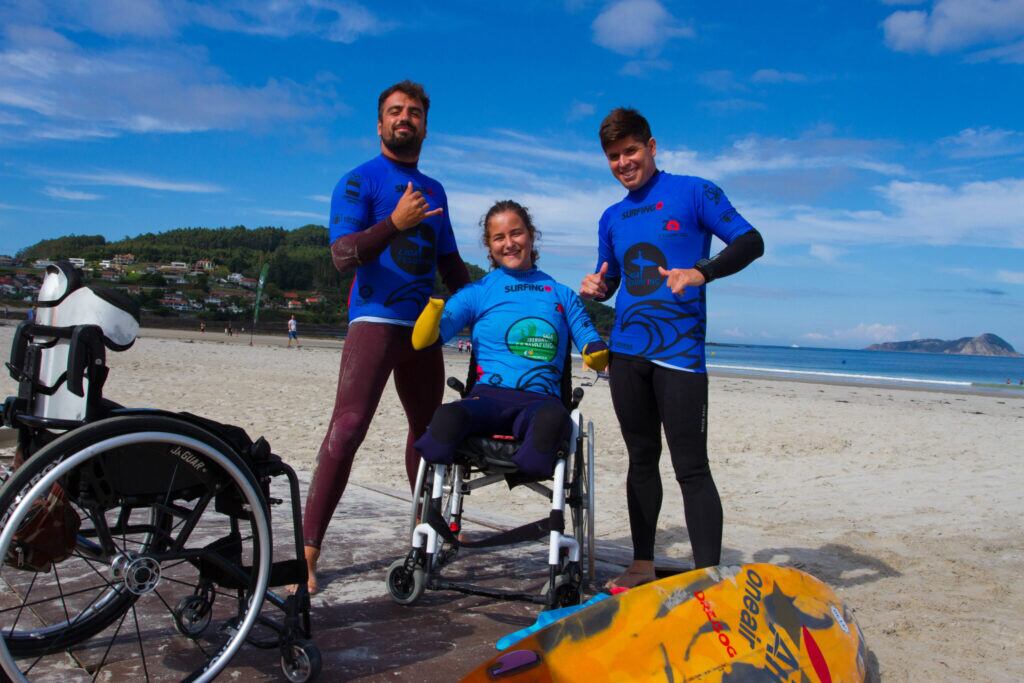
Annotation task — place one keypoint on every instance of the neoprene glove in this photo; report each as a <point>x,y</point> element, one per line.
<point>428,326</point>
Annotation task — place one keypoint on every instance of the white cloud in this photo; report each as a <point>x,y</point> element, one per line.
<point>334,20</point>
<point>326,199</point>
<point>74,195</point>
<point>642,68</point>
<point>631,27</point>
<point>61,90</point>
<point>984,142</point>
<point>775,76</point>
<point>1008,54</point>
<point>119,179</point>
<point>954,24</point>
<point>824,252</point>
<point>977,214</point>
<point>732,105</point>
<point>285,213</point>
<point>579,110</point>
<point>863,333</point>
<point>341,22</point>
<point>754,154</point>
<point>1013,277</point>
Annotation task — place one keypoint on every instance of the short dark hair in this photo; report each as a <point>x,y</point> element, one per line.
<point>524,215</point>
<point>621,123</point>
<point>410,88</point>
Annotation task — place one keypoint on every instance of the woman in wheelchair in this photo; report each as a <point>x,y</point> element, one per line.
<point>522,323</point>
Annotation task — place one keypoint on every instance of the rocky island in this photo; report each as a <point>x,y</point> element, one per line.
<point>987,344</point>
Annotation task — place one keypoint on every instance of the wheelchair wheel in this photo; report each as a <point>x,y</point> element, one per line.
<point>582,507</point>
<point>153,494</point>
<point>301,661</point>
<point>405,586</point>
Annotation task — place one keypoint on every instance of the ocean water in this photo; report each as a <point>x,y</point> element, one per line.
<point>843,365</point>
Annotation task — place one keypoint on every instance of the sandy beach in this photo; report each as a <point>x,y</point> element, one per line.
<point>908,503</point>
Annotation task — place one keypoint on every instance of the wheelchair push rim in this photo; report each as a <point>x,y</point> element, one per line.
<point>137,570</point>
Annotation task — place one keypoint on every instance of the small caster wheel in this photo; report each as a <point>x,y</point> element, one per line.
<point>192,615</point>
<point>404,586</point>
<point>565,593</point>
<point>300,661</point>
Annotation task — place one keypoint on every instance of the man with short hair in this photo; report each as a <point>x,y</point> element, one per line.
<point>389,222</point>
<point>293,332</point>
<point>656,243</point>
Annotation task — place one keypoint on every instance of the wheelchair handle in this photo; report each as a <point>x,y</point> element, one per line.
<point>457,385</point>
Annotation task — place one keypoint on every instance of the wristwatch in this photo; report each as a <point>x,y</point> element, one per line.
<point>703,266</point>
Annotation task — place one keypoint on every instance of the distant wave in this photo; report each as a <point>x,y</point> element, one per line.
<point>841,375</point>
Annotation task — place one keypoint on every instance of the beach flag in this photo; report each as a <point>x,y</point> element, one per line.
<point>259,295</point>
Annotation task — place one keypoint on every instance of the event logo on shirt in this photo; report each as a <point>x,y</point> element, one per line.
<point>642,261</point>
<point>413,250</point>
<point>713,192</point>
<point>641,210</point>
<point>532,338</point>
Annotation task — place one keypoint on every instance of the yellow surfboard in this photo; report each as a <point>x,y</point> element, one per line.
<point>755,622</point>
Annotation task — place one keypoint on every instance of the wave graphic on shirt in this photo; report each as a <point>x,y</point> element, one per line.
<point>654,329</point>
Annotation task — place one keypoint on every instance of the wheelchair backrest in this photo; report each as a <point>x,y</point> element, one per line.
<point>59,354</point>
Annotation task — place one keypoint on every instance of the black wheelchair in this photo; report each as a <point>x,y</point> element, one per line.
<point>435,522</point>
<point>168,561</point>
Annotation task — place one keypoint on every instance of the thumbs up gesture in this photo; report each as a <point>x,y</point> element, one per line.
<point>593,285</point>
<point>412,209</point>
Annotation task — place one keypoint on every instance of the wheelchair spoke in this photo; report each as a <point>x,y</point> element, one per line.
<point>45,600</point>
<point>174,616</point>
<point>138,633</point>
<point>18,616</point>
<point>110,645</point>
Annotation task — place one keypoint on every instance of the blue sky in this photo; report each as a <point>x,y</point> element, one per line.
<point>877,146</point>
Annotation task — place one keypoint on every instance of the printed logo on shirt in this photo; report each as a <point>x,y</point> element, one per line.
<point>712,192</point>
<point>413,250</point>
<point>642,261</point>
<point>526,287</point>
<point>641,210</point>
<point>532,338</point>
<point>365,291</point>
<point>672,225</point>
<point>352,188</point>
<point>728,215</point>
<point>400,189</point>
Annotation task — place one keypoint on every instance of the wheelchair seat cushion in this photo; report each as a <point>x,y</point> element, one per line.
<point>493,455</point>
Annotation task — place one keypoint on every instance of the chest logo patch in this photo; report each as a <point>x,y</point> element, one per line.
<point>641,268</point>
<point>532,338</point>
<point>414,250</point>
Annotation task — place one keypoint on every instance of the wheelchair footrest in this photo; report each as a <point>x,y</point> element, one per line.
<point>534,531</point>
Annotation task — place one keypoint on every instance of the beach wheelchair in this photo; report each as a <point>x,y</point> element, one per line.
<point>436,516</point>
<point>136,544</point>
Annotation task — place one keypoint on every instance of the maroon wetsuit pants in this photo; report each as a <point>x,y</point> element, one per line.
<point>371,352</point>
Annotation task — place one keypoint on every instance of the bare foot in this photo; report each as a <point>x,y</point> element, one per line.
<point>312,556</point>
<point>638,573</point>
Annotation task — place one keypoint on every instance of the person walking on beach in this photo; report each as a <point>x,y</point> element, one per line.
<point>293,332</point>
<point>655,242</point>
<point>390,223</point>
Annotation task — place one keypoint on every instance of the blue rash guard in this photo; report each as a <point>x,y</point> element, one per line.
<point>522,322</point>
<point>668,222</point>
<point>393,287</point>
